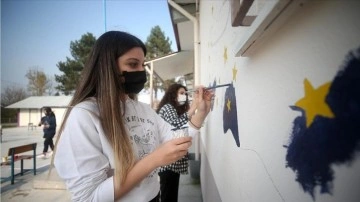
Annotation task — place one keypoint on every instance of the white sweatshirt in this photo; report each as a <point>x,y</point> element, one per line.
<point>84,158</point>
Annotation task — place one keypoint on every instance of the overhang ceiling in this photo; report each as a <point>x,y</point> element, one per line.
<point>183,26</point>
<point>188,5</point>
<point>182,62</point>
<point>173,65</point>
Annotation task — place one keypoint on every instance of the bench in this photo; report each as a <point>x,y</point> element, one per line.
<point>32,126</point>
<point>13,154</point>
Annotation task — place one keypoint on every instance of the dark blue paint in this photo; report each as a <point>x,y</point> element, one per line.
<point>328,141</point>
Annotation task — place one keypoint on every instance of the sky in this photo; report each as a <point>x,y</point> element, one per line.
<point>37,33</point>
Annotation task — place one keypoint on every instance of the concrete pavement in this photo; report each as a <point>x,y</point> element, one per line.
<point>47,186</point>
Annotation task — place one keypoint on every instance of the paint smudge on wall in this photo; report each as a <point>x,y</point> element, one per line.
<point>327,132</point>
<point>234,72</point>
<point>225,55</point>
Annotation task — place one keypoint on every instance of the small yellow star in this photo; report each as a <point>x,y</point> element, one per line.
<point>234,72</point>
<point>228,104</point>
<point>225,55</point>
<point>313,103</point>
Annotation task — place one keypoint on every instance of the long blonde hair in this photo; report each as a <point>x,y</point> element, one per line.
<point>100,79</point>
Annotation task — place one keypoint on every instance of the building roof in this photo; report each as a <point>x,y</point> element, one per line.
<point>37,102</point>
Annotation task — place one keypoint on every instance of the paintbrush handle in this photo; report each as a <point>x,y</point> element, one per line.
<point>212,87</point>
<point>218,86</point>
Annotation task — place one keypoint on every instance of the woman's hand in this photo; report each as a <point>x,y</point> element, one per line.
<point>171,151</point>
<point>202,98</point>
<point>165,154</point>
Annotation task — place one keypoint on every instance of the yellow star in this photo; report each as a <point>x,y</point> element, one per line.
<point>228,104</point>
<point>313,103</point>
<point>225,55</point>
<point>234,72</point>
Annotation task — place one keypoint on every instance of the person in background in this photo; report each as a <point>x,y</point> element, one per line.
<point>110,145</point>
<point>49,128</point>
<point>175,109</point>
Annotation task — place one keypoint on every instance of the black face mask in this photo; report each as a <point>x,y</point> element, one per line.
<point>134,81</point>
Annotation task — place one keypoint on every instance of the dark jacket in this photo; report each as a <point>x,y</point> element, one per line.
<point>51,121</point>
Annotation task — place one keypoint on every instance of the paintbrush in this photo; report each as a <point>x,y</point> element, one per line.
<point>212,87</point>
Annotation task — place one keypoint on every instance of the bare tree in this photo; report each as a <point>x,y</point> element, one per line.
<point>39,82</point>
<point>50,90</point>
<point>11,95</point>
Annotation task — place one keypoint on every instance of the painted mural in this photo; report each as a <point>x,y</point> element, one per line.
<point>229,110</point>
<point>327,132</point>
<point>230,121</point>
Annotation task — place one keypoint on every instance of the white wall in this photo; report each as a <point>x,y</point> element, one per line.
<point>312,44</point>
<point>59,113</point>
<point>27,116</point>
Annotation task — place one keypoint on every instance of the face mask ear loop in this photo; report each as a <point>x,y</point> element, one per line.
<point>122,76</point>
